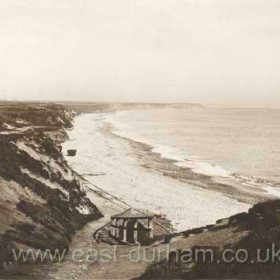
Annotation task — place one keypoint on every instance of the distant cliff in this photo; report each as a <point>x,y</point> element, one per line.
<point>89,107</point>
<point>42,202</point>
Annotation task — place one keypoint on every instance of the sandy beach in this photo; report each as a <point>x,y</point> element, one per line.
<point>112,164</point>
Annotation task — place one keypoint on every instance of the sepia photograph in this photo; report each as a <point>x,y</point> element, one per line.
<point>139,139</point>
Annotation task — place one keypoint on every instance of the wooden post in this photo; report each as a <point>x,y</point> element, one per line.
<point>124,230</point>
<point>135,231</point>
<point>150,224</point>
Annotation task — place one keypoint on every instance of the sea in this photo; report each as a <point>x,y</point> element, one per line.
<point>242,143</point>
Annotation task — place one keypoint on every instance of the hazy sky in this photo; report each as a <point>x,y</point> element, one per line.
<point>147,50</point>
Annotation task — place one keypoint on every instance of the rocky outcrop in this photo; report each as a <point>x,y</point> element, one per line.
<point>42,201</point>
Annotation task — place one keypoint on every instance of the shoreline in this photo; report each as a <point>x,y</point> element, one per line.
<point>168,167</point>
<point>222,169</point>
<point>116,166</point>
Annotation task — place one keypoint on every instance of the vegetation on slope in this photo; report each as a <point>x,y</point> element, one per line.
<point>244,246</point>
<point>42,202</point>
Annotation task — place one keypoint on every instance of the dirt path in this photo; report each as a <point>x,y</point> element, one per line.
<point>89,260</point>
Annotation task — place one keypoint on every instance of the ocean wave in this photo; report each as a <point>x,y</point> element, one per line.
<point>205,168</point>
<point>182,159</point>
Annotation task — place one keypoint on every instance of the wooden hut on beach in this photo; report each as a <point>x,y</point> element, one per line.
<point>132,227</point>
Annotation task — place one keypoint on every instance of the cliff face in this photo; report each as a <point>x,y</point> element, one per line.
<point>42,202</point>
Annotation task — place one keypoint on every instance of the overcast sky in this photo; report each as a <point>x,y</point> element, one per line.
<point>141,50</point>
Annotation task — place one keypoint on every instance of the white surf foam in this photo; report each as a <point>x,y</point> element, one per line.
<point>180,157</point>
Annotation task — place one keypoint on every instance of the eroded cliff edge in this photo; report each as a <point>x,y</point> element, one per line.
<point>42,202</point>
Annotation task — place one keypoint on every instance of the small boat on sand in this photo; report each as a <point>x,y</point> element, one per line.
<point>71,153</point>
